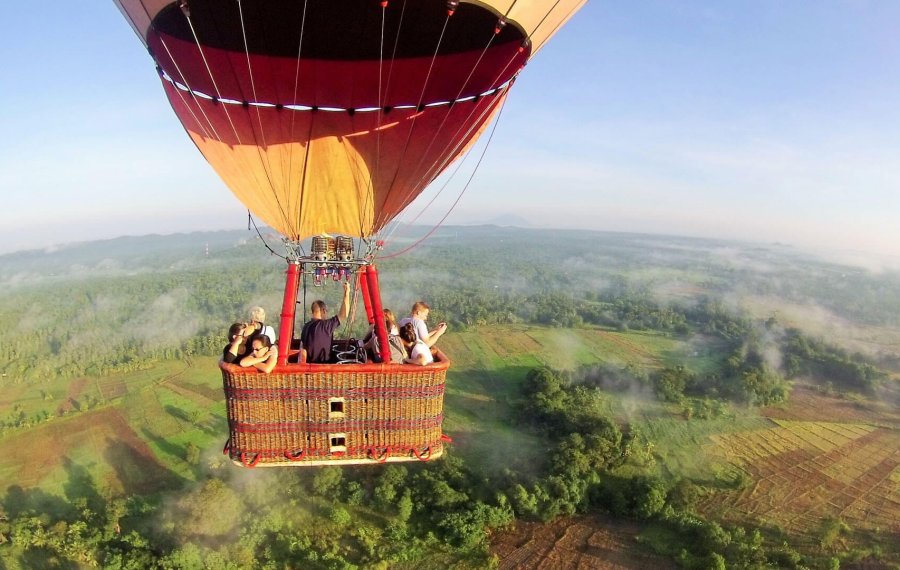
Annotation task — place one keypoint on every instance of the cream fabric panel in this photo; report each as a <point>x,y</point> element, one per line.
<point>140,12</point>
<point>533,17</point>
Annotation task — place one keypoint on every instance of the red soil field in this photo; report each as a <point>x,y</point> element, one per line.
<point>103,433</point>
<point>75,388</point>
<point>575,543</point>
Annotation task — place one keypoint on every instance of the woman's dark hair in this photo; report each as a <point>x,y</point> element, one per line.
<point>264,339</point>
<point>408,333</point>
<point>235,330</point>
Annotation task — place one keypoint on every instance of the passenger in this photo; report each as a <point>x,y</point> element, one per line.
<point>398,351</point>
<point>419,352</point>
<point>417,317</point>
<point>263,355</point>
<point>318,334</point>
<point>237,343</point>
<point>257,325</point>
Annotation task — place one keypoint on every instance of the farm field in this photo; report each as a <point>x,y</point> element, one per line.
<point>797,469</point>
<point>133,444</point>
<point>489,364</point>
<point>581,543</point>
<point>808,403</point>
<point>802,473</point>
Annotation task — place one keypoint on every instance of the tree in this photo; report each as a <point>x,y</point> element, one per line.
<point>327,481</point>
<point>211,511</point>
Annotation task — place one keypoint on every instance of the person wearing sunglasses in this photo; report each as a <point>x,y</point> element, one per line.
<point>263,355</point>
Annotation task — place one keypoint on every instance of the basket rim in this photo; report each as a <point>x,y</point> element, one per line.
<point>441,364</point>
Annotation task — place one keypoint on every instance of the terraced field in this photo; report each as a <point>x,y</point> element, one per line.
<point>804,472</point>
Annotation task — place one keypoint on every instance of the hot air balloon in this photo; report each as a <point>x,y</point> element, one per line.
<point>326,118</point>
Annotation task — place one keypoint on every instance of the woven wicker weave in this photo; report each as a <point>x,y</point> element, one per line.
<point>332,414</point>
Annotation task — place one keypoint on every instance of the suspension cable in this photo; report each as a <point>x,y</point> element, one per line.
<point>250,220</point>
<point>458,198</point>
<point>290,168</point>
<point>419,106</point>
<point>263,157</point>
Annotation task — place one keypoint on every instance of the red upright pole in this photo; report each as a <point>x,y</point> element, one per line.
<point>288,308</point>
<point>380,328</point>
<point>367,300</point>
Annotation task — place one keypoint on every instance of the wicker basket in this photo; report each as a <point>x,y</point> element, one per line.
<point>334,414</point>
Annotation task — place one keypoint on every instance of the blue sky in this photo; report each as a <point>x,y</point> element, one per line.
<point>767,121</point>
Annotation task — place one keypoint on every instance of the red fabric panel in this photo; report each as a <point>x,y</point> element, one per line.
<point>341,84</point>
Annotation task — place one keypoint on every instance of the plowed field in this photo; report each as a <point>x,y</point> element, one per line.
<point>581,543</point>
<point>804,472</point>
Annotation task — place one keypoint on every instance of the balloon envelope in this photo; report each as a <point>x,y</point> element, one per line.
<point>328,116</point>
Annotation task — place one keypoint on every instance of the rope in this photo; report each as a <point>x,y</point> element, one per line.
<point>263,158</point>
<point>249,221</point>
<point>419,106</point>
<point>215,85</point>
<point>211,78</point>
<point>458,198</point>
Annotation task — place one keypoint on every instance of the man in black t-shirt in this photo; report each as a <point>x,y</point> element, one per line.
<point>318,333</point>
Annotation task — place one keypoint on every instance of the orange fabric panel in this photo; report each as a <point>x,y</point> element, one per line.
<point>329,172</point>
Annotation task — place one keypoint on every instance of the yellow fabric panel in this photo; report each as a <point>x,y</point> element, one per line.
<point>334,198</point>
<point>540,19</point>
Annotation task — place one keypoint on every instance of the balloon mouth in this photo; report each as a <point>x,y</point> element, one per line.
<point>325,109</point>
<point>343,56</point>
<point>331,30</point>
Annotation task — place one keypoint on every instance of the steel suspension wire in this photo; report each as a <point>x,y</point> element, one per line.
<point>263,157</point>
<point>442,164</point>
<point>212,77</point>
<point>175,63</point>
<point>458,198</point>
<point>462,88</point>
<point>182,4</point>
<point>438,165</point>
<point>251,220</point>
<point>290,168</point>
<point>387,87</point>
<point>418,105</point>
<point>370,191</point>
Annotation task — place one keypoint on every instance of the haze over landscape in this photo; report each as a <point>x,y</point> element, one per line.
<point>758,121</point>
<point>670,290</point>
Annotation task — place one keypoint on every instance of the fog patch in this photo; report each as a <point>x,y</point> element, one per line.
<point>20,278</point>
<point>164,321</point>
<point>561,349</point>
<point>769,340</point>
<point>33,318</point>
<point>109,264</point>
<point>672,291</point>
<point>820,322</point>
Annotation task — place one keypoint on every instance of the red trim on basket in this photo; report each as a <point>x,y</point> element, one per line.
<point>423,456</point>
<point>372,452</point>
<point>322,393</point>
<point>447,438</point>
<point>310,454</point>
<point>252,463</point>
<point>328,427</point>
<point>293,456</point>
